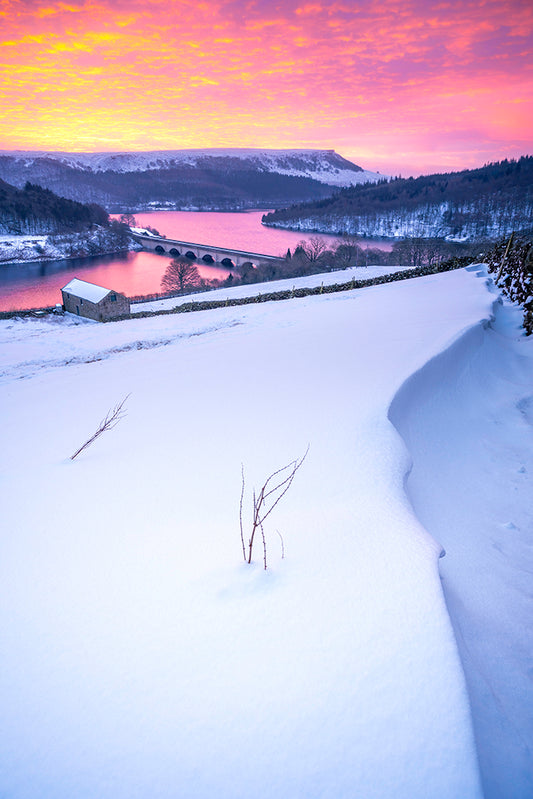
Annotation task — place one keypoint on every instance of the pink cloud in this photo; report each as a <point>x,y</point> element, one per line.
<point>375,80</point>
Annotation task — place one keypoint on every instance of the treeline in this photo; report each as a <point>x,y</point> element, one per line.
<point>287,294</point>
<point>213,183</point>
<point>314,256</point>
<point>475,202</point>
<point>36,210</point>
<point>226,185</point>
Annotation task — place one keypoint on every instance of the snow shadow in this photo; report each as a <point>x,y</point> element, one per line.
<point>466,418</point>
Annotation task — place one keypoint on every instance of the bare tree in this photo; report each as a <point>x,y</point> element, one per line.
<point>348,251</point>
<point>112,418</point>
<point>180,275</point>
<point>410,252</point>
<point>272,491</point>
<point>313,248</point>
<point>128,219</point>
<point>433,251</point>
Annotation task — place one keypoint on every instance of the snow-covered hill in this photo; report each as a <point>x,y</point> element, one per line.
<point>225,179</point>
<point>473,204</point>
<point>326,166</point>
<point>141,657</point>
<point>466,221</point>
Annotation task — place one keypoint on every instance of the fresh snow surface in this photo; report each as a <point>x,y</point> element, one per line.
<point>8,238</point>
<point>85,290</point>
<point>483,458</point>
<point>141,657</point>
<point>255,289</point>
<point>15,248</point>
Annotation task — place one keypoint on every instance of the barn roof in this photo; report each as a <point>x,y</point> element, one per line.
<point>87,291</point>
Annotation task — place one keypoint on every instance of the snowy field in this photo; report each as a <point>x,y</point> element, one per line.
<point>141,657</point>
<point>254,289</point>
<point>482,457</point>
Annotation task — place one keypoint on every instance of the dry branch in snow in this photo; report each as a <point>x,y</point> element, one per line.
<point>273,489</point>
<point>112,418</point>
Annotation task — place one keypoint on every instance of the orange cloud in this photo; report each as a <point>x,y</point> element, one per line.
<point>370,79</point>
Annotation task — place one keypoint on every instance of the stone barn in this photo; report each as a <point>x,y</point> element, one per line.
<point>92,301</point>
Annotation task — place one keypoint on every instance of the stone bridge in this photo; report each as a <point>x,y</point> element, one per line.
<point>204,252</point>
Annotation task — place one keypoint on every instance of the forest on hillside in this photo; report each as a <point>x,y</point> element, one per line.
<point>488,202</point>
<point>36,210</point>
<point>38,225</point>
<point>214,183</point>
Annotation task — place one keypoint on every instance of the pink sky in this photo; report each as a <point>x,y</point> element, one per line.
<point>404,87</point>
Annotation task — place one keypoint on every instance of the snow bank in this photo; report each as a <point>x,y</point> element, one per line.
<point>141,656</point>
<point>466,418</point>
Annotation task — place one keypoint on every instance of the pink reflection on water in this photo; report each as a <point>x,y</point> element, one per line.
<point>239,231</point>
<point>37,285</point>
<point>134,273</point>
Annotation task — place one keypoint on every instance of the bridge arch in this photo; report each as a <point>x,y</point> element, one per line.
<point>232,259</point>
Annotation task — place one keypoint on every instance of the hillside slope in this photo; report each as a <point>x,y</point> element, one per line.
<point>182,179</point>
<point>38,225</point>
<point>143,657</point>
<point>489,202</point>
<point>37,210</point>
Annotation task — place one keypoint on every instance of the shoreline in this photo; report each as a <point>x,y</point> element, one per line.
<point>27,248</point>
<point>53,259</point>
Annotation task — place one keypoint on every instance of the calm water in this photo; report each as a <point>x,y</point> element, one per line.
<point>34,285</point>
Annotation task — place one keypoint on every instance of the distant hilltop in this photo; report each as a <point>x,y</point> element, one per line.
<point>325,166</point>
<point>187,179</point>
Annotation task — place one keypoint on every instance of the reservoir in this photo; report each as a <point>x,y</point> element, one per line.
<point>38,284</point>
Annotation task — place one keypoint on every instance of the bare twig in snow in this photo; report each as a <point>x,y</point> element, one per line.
<point>112,418</point>
<point>264,546</point>
<point>282,544</point>
<point>240,513</point>
<point>272,491</point>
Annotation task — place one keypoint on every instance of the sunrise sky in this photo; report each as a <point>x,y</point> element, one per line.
<point>399,86</point>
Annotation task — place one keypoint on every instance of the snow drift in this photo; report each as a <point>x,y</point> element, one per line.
<point>466,419</point>
<point>142,657</point>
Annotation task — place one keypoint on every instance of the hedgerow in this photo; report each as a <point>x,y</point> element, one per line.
<point>512,261</point>
<point>287,294</point>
